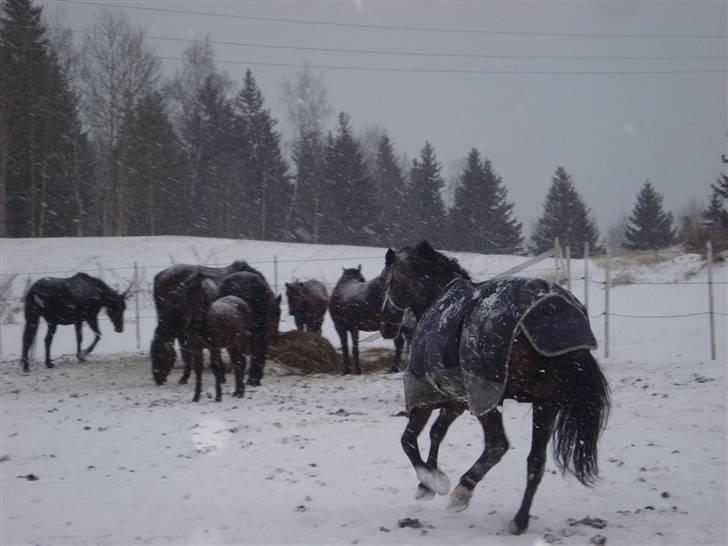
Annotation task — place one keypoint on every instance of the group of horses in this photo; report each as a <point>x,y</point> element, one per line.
<point>472,346</point>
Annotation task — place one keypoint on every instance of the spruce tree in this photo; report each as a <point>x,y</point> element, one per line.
<point>391,195</point>
<point>481,218</point>
<point>649,227</point>
<point>565,216</point>
<point>426,217</point>
<point>265,179</point>
<point>717,211</point>
<point>308,159</point>
<point>348,208</point>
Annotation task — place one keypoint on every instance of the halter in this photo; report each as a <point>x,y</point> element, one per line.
<point>388,299</point>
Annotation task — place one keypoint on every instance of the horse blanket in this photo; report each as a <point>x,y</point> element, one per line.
<point>462,344</point>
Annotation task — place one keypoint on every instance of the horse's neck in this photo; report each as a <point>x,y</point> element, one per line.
<point>432,291</point>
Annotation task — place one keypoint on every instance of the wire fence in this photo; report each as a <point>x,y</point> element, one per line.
<point>142,310</point>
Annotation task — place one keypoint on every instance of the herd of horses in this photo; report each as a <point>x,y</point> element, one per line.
<point>472,345</point>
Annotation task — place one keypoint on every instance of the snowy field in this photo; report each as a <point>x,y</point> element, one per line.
<point>316,459</point>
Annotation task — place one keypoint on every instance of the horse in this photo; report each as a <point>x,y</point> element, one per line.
<point>307,304</point>
<point>216,323</point>
<point>265,307</point>
<point>476,344</point>
<point>170,323</point>
<point>356,304</point>
<point>72,300</point>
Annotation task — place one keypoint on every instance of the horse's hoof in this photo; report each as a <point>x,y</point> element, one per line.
<point>80,357</point>
<point>424,493</point>
<point>218,399</point>
<point>357,371</point>
<point>239,394</point>
<point>182,381</point>
<point>50,365</point>
<point>393,370</point>
<point>435,479</point>
<point>514,528</point>
<point>196,399</point>
<point>253,382</point>
<point>459,499</point>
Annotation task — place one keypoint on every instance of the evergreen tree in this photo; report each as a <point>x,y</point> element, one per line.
<point>717,211</point>
<point>426,218</point>
<point>156,171</point>
<point>308,160</point>
<point>567,217</point>
<point>481,218</point>
<point>264,177</point>
<point>348,208</point>
<point>391,195</point>
<point>649,227</point>
<point>41,143</point>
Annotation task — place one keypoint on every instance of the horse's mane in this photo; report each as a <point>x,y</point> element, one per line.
<point>425,250</point>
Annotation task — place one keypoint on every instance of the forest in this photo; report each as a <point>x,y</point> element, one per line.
<point>96,140</point>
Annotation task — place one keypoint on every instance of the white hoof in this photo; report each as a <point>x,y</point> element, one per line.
<point>513,528</point>
<point>434,479</point>
<point>424,493</point>
<point>459,499</point>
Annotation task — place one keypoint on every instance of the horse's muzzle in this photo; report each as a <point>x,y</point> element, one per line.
<point>389,330</point>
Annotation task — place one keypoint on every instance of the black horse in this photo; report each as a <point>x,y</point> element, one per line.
<point>73,300</point>
<point>356,304</point>
<point>478,343</point>
<point>216,323</point>
<point>307,304</point>
<point>170,313</point>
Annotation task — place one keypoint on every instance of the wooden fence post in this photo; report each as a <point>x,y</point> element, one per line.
<point>586,275</point>
<point>606,307</point>
<point>275,274</point>
<point>568,267</point>
<point>136,305</point>
<point>711,310</point>
<point>557,259</point>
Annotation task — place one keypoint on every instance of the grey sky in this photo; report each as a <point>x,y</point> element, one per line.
<point>610,131</point>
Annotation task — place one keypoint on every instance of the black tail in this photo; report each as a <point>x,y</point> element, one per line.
<point>582,416</point>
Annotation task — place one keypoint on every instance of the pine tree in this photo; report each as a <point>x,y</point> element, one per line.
<point>265,176</point>
<point>41,143</point>
<point>567,217</point>
<point>649,227</point>
<point>426,218</point>
<point>308,160</point>
<point>481,218</point>
<point>155,171</point>
<point>348,208</point>
<point>717,211</point>
<point>391,195</point>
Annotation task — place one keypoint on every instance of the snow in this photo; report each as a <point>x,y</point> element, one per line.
<point>316,459</point>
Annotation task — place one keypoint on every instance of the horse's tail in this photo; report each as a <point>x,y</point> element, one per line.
<point>582,416</point>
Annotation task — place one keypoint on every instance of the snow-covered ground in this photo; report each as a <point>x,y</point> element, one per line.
<point>316,459</point>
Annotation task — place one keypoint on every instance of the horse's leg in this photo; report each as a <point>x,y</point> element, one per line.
<point>94,325</point>
<point>430,478</point>
<point>398,346</point>
<point>544,417</point>
<point>496,445</point>
<point>299,324</point>
<point>316,326</point>
<point>197,364</point>
<point>48,340</point>
<point>258,347</point>
<point>439,428</point>
<point>187,359</point>
<point>342,331</point>
<point>217,370</point>
<point>237,356</point>
<point>355,350</point>
<point>79,341</point>
<point>31,328</point>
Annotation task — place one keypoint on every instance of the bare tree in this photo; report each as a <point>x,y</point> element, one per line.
<point>117,68</point>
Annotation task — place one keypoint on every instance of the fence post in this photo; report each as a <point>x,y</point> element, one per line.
<point>711,310</point>
<point>136,305</point>
<point>606,307</point>
<point>557,258</point>
<point>568,267</point>
<point>586,275</point>
<point>275,274</point>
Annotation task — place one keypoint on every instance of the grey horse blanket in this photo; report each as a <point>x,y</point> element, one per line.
<point>462,344</point>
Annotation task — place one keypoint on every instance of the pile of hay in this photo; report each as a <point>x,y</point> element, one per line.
<point>306,352</point>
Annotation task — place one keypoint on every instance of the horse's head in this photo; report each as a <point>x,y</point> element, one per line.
<point>115,307</point>
<point>352,274</point>
<point>396,295</point>
<point>163,356</point>
<point>195,296</point>
<point>274,316</point>
<point>294,295</point>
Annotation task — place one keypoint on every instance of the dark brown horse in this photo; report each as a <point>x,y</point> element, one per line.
<point>73,300</point>
<point>307,304</point>
<point>356,304</point>
<point>170,313</point>
<point>476,344</point>
<point>216,323</point>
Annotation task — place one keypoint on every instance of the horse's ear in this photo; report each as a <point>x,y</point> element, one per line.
<point>278,299</point>
<point>389,257</point>
<point>359,268</point>
<point>289,286</point>
<point>423,248</point>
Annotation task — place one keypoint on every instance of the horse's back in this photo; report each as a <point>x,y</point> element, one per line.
<point>357,304</point>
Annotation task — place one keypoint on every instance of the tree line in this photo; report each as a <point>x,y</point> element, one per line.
<point>93,141</point>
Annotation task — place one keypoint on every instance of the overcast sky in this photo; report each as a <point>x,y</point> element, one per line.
<point>662,119</point>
